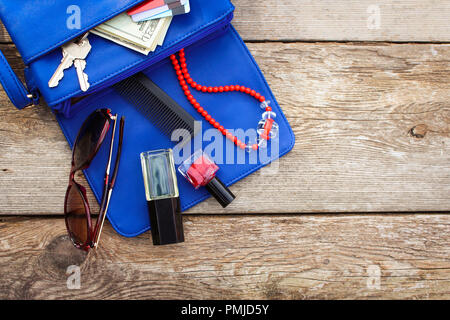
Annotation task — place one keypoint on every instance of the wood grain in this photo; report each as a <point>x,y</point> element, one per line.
<point>4,35</point>
<point>328,20</point>
<point>270,257</point>
<point>372,126</point>
<point>350,20</point>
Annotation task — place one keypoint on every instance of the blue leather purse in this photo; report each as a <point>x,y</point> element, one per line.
<point>216,55</point>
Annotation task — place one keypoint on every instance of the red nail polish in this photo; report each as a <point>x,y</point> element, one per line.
<point>201,171</point>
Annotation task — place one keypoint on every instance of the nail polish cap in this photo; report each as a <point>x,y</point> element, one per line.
<point>220,192</point>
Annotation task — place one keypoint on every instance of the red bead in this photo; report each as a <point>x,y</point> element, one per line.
<point>229,135</point>
<point>243,88</point>
<point>187,75</point>
<point>183,83</point>
<point>242,146</point>
<point>180,78</point>
<point>183,65</point>
<point>198,87</point>
<point>231,88</point>
<point>187,92</point>
<point>215,89</point>
<point>255,147</point>
<point>247,90</point>
<point>177,67</point>
<point>257,95</point>
<point>208,117</point>
<point>220,89</point>
<point>194,84</point>
<point>200,110</point>
<point>226,88</point>
<point>179,73</point>
<point>172,57</point>
<point>235,139</point>
<point>224,132</point>
<point>212,121</point>
<point>252,93</point>
<point>262,99</point>
<point>185,87</point>
<point>220,128</point>
<point>190,97</point>
<point>237,87</point>
<point>196,105</point>
<point>183,60</point>
<point>204,113</point>
<point>184,70</point>
<point>189,80</point>
<point>268,109</point>
<point>210,89</point>
<point>216,125</point>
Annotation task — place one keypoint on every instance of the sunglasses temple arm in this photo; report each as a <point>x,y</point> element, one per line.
<point>109,186</point>
<point>119,153</point>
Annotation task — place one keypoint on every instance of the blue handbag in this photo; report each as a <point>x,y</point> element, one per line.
<point>216,55</point>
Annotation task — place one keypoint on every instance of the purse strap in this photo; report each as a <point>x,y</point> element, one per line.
<point>14,88</point>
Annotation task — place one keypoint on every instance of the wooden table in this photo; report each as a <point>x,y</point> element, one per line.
<point>359,208</point>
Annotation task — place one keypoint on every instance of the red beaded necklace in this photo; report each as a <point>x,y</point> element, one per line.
<point>267,127</point>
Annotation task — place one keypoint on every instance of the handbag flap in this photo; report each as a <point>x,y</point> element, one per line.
<point>38,27</point>
<point>109,62</point>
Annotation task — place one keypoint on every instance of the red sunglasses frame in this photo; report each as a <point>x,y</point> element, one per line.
<point>93,235</point>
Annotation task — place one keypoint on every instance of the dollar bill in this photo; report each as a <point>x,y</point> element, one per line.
<point>165,28</point>
<point>143,36</point>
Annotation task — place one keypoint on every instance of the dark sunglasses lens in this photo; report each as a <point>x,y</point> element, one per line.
<point>89,138</point>
<point>76,216</point>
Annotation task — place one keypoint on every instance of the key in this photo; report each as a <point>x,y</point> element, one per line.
<point>72,52</point>
<point>66,63</point>
<point>80,65</point>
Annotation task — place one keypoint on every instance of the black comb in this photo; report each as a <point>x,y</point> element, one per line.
<point>156,105</point>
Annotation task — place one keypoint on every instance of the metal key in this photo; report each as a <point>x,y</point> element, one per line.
<point>80,65</point>
<point>66,63</point>
<point>71,53</point>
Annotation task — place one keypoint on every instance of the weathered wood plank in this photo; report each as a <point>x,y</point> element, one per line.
<point>309,257</point>
<point>4,35</point>
<point>376,95</point>
<point>372,124</point>
<point>351,20</point>
<point>327,20</point>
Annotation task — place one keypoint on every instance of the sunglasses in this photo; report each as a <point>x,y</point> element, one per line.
<point>76,207</point>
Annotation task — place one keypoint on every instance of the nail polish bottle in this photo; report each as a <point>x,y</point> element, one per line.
<point>162,195</point>
<point>201,171</point>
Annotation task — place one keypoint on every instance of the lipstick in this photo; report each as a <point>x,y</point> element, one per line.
<point>201,171</point>
<point>161,191</point>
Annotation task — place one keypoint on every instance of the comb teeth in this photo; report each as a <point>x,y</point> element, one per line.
<point>155,104</point>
